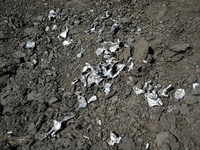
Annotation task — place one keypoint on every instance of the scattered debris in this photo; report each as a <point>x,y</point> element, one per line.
<point>81,53</point>
<point>99,122</point>
<point>114,139</point>
<point>107,16</point>
<point>179,94</point>
<point>107,88</point>
<point>150,94</point>
<point>10,132</point>
<point>137,90</point>
<point>86,137</point>
<point>64,33</point>
<point>30,44</point>
<point>81,100</point>
<point>195,86</point>
<point>54,27</point>
<point>67,42</point>
<point>164,92</point>
<point>92,99</point>
<point>34,62</point>
<point>115,27</point>
<point>52,14</point>
<point>47,28</point>
<point>147,146</point>
<point>58,125</point>
<point>130,67</point>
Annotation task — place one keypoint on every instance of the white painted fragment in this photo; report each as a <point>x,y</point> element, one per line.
<point>81,100</point>
<point>163,92</point>
<point>81,53</point>
<point>130,67</point>
<point>9,132</point>
<point>64,33</point>
<point>137,90</point>
<point>195,86</point>
<point>99,122</point>
<point>92,99</point>
<point>107,88</point>
<point>147,146</point>
<point>54,27</point>
<point>179,94</point>
<point>52,14</point>
<point>114,139</point>
<point>67,42</point>
<point>30,44</point>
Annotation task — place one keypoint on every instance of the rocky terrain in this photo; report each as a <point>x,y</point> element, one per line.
<point>118,74</point>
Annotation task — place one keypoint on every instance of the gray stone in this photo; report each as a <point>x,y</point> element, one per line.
<point>184,109</point>
<point>189,99</point>
<point>53,100</point>
<point>124,20</point>
<point>192,78</point>
<point>141,50</point>
<point>165,138</point>
<point>181,47</point>
<point>127,144</point>
<point>165,147</point>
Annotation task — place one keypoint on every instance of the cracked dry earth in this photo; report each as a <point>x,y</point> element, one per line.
<point>122,53</point>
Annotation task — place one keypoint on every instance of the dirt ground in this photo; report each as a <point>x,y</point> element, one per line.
<point>141,41</point>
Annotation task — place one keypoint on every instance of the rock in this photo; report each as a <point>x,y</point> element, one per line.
<point>1,109</point>
<point>3,81</point>
<point>31,128</point>
<point>192,78</point>
<point>189,99</point>
<point>164,138</point>
<point>141,50</point>
<point>181,47</point>
<point>127,144</point>
<point>157,112</point>
<point>53,100</point>
<point>184,109</point>
<point>165,147</point>
<point>124,20</point>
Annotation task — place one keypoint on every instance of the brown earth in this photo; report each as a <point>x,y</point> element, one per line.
<point>163,33</point>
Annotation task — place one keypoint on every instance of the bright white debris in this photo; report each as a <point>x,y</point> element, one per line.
<point>144,61</point>
<point>52,14</point>
<point>114,139</point>
<point>107,88</point>
<point>34,62</point>
<point>86,137</point>
<point>179,94</point>
<point>99,51</point>
<point>81,100</point>
<point>147,146</point>
<point>47,28</point>
<point>115,27</point>
<point>139,29</point>
<point>9,132</point>
<point>164,92</point>
<point>30,44</point>
<point>54,27</point>
<point>64,33</point>
<point>58,125</point>
<point>81,53</point>
<point>150,94</point>
<point>153,99</point>
<point>195,86</point>
<point>67,42</point>
<point>99,122</point>
<point>92,99</point>
<point>107,15</point>
<point>137,90</point>
<point>130,67</point>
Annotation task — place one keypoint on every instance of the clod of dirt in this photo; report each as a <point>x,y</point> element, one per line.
<point>141,50</point>
<point>181,47</point>
<point>127,143</point>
